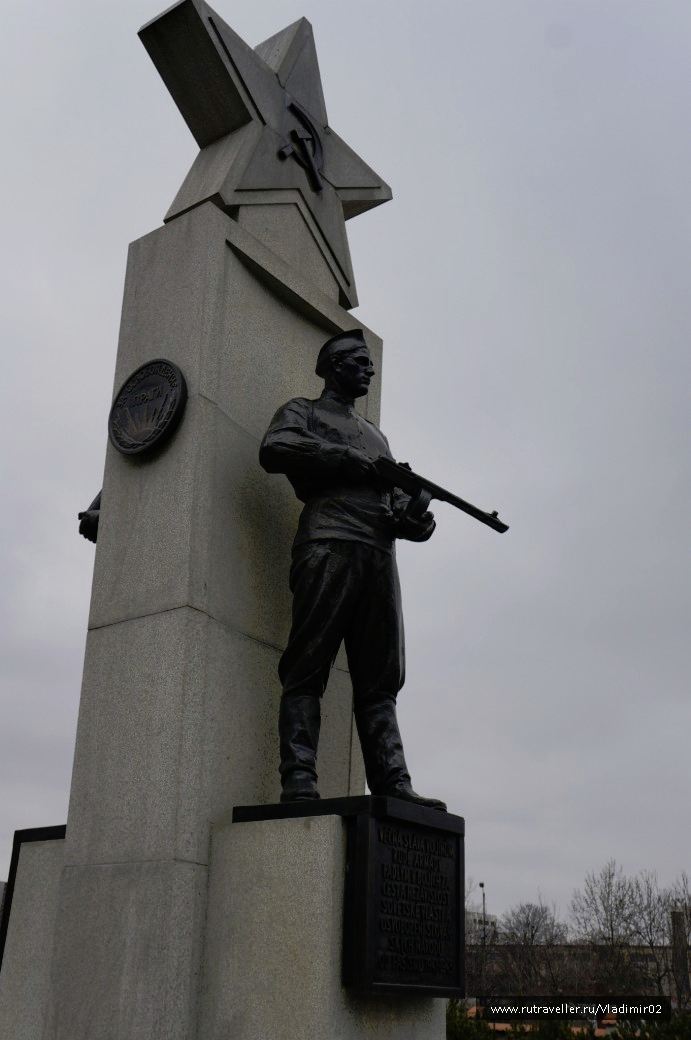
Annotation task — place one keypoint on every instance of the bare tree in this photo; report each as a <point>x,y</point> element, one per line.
<point>531,954</point>
<point>619,941</point>
<point>618,917</point>
<point>470,886</point>
<point>533,924</point>
<point>603,913</point>
<point>651,931</point>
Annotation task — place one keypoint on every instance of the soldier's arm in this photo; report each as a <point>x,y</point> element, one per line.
<point>290,446</point>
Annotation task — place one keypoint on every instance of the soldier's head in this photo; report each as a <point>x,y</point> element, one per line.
<point>345,365</point>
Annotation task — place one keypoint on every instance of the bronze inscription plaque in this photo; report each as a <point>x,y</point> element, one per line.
<point>148,407</point>
<point>404,909</point>
<point>417,919</point>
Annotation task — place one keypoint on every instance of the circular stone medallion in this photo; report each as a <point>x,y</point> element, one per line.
<point>148,407</point>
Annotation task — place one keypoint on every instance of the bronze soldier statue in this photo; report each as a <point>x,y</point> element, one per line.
<point>343,574</point>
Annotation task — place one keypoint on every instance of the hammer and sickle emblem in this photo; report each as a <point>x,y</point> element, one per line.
<point>305,146</point>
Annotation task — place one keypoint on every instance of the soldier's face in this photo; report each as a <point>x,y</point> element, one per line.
<point>354,372</point>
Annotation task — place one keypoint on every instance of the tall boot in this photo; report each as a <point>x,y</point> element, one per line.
<point>299,720</point>
<point>382,749</point>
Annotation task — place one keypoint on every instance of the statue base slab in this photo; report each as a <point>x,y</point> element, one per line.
<point>274,940</point>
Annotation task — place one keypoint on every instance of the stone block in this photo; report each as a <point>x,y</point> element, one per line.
<point>178,723</point>
<point>209,171</point>
<point>25,975</point>
<point>196,293</point>
<point>199,525</point>
<point>282,323</point>
<point>211,102</point>
<point>173,294</point>
<point>272,955</point>
<point>190,612</point>
<point>303,247</point>
<point>198,522</point>
<point>127,952</point>
<point>342,167</point>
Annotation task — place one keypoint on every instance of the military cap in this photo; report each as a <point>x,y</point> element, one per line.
<point>343,343</point>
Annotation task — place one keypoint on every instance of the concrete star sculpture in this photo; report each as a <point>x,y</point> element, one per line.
<point>260,120</point>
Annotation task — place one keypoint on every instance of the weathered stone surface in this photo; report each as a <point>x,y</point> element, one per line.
<point>304,251</point>
<point>25,976</point>
<point>205,526</point>
<point>358,186</point>
<point>264,90</point>
<point>272,962</point>
<point>127,952</point>
<point>208,174</point>
<point>177,724</point>
<point>208,529</point>
<point>296,72</point>
<point>291,54</point>
<point>177,720</point>
<point>193,66</point>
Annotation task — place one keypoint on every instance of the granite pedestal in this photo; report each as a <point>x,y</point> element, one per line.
<point>273,955</point>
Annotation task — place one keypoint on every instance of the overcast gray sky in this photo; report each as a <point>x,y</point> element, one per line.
<point>531,282</point>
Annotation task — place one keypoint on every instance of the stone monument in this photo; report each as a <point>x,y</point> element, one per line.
<point>162,918</point>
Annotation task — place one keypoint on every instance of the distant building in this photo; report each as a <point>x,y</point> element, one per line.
<point>474,924</point>
<point>496,967</point>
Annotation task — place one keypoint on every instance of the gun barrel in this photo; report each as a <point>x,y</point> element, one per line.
<point>400,476</point>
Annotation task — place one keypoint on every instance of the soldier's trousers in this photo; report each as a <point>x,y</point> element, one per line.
<point>343,592</point>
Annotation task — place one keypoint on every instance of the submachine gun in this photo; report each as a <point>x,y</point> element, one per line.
<point>422,491</point>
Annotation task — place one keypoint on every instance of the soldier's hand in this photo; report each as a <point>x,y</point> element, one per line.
<point>416,530</point>
<point>88,524</point>
<point>358,466</point>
